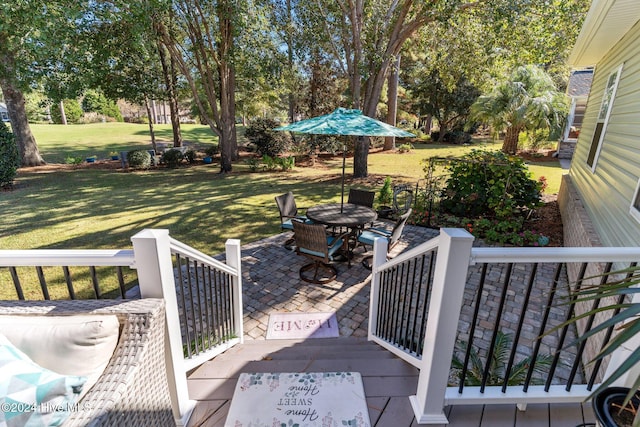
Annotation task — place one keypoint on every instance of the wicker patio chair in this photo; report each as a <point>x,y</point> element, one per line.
<point>289,213</point>
<point>313,242</point>
<point>368,236</point>
<point>133,389</point>
<point>361,197</point>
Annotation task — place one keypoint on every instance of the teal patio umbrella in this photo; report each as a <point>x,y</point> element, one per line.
<point>345,122</point>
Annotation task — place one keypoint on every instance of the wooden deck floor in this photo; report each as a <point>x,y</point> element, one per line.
<point>388,381</point>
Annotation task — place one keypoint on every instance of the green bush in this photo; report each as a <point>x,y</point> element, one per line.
<point>385,195</point>
<point>139,159</point>
<point>212,150</point>
<point>73,160</point>
<point>172,158</point>
<point>190,156</point>
<point>405,148</point>
<point>286,163</point>
<point>489,184</point>
<point>267,141</point>
<point>254,163</point>
<point>9,156</point>
<point>72,111</point>
<point>95,101</point>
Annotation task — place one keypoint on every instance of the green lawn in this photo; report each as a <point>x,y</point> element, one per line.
<point>98,208</point>
<point>103,208</point>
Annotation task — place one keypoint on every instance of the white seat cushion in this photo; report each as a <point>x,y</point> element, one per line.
<point>69,345</point>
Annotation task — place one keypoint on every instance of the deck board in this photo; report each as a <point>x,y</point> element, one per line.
<point>387,380</point>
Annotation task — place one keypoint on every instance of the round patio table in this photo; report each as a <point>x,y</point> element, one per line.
<point>347,215</point>
<point>350,216</point>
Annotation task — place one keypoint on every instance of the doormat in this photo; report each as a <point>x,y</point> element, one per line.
<point>333,399</point>
<point>302,325</point>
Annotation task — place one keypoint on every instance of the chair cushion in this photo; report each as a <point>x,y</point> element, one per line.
<point>334,249</point>
<point>69,345</point>
<point>33,395</point>
<point>367,237</point>
<point>286,225</point>
<point>331,252</point>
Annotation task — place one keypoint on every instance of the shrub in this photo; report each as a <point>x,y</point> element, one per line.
<point>139,159</point>
<point>71,160</point>
<point>286,163</point>
<point>386,193</point>
<point>254,163</point>
<point>485,183</point>
<point>9,156</point>
<point>405,148</point>
<point>212,150</point>
<point>172,158</point>
<point>95,101</point>
<point>453,137</point>
<point>190,156</point>
<point>267,141</point>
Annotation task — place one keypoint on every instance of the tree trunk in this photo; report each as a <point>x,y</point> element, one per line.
<point>29,154</point>
<point>392,103</point>
<point>63,115</point>
<point>152,133</point>
<point>226,74</point>
<point>169,74</point>
<point>360,155</point>
<point>510,144</point>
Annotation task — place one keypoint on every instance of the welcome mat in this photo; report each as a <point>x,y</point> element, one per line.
<point>302,325</point>
<point>334,399</point>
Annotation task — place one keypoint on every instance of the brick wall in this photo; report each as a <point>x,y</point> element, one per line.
<point>579,232</point>
<point>577,226</point>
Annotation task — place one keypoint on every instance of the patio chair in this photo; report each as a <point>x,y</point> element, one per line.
<point>313,242</point>
<point>133,388</point>
<point>368,236</point>
<point>402,199</point>
<point>288,213</point>
<point>361,197</point>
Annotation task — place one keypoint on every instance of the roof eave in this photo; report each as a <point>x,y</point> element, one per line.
<point>605,24</point>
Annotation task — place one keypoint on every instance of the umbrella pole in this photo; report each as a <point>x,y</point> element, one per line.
<point>343,166</point>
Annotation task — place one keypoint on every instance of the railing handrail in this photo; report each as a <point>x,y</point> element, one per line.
<point>196,255</point>
<point>554,254</point>
<point>67,257</point>
<point>411,253</point>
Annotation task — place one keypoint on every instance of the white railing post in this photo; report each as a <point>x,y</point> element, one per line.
<point>234,260</point>
<point>449,281</point>
<point>152,253</point>
<point>379,258</point>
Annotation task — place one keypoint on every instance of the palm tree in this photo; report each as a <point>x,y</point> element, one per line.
<point>527,101</point>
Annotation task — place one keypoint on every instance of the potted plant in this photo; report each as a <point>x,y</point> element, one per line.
<point>114,155</point>
<point>385,197</point>
<point>615,406</point>
<point>91,159</point>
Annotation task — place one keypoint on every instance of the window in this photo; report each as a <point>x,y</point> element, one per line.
<point>603,117</point>
<point>3,116</point>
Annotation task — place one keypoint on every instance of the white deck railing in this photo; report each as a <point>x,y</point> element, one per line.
<point>457,268</point>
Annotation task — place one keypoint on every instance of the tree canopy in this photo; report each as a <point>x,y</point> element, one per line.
<point>277,58</point>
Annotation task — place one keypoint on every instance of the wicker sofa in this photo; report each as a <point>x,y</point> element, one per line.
<point>133,389</point>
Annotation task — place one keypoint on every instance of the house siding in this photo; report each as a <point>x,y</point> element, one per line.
<point>607,192</point>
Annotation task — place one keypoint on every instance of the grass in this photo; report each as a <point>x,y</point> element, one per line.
<point>98,208</point>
